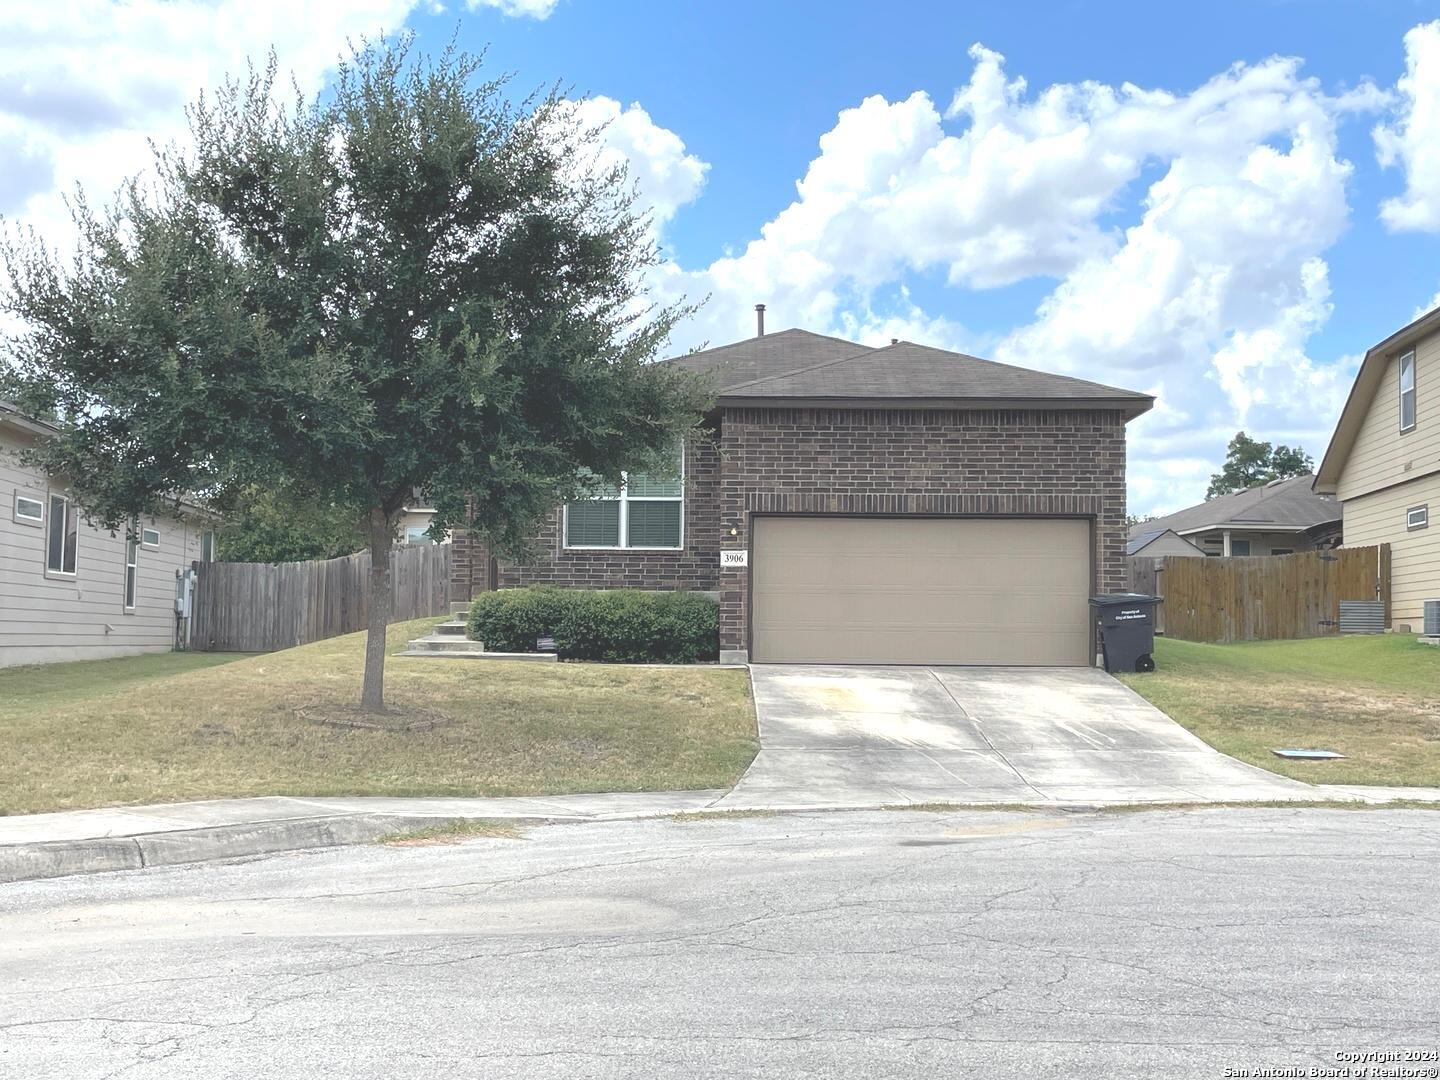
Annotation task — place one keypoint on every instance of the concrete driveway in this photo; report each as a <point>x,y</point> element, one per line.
<point>861,736</point>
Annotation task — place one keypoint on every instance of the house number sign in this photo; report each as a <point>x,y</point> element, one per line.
<point>733,560</point>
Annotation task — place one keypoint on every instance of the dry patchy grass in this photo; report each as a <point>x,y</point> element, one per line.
<point>191,726</point>
<point>453,832</point>
<point>1374,699</point>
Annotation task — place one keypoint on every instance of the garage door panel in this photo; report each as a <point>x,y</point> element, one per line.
<point>1038,648</point>
<point>934,591</point>
<point>957,574</point>
<point>992,606</point>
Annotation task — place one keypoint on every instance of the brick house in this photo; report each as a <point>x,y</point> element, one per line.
<point>860,505</point>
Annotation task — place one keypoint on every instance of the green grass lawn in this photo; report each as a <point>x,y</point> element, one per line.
<point>1375,699</point>
<point>176,726</point>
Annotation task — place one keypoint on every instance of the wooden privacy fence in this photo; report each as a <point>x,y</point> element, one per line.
<point>259,607</point>
<point>1143,574</point>
<point>1265,597</point>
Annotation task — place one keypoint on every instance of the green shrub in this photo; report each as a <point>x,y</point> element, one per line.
<point>620,626</point>
<point>510,620</point>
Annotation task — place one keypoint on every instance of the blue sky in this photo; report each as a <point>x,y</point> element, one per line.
<point>751,91</point>
<point>1165,202</point>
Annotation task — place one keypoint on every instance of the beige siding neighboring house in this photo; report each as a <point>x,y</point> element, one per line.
<point>1278,518</point>
<point>1157,543</point>
<point>65,586</point>
<point>414,525</point>
<point>1383,463</point>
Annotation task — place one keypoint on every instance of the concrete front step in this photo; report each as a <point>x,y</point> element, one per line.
<point>460,609</point>
<point>445,643</point>
<point>451,646</point>
<point>452,654</point>
<point>454,626</point>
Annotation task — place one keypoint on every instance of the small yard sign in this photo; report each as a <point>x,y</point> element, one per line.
<point>733,560</point>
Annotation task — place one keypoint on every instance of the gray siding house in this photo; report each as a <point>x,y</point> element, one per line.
<point>69,591</point>
<point>1278,518</point>
<point>1158,543</point>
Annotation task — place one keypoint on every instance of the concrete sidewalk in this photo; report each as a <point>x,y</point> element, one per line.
<point>135,837</point>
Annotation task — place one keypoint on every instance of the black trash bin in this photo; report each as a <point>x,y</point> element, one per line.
<point>1127,630</point>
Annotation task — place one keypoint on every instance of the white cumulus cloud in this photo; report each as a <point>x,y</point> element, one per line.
<point>1412,141</point>
<point>666,175</point>
<point>529,9</point>
<point>1207,296</point>
<point>85,84</point>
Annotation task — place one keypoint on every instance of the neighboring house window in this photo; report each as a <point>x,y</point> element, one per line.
<point>418,534</point>
<point>1239,547</point>
<point>1282,551</point>
<point>64,536</point>
<point>132,561</point>
<point>1417,517</point>
<point>645,512</point>
<point>207,546</point>
<point>29,511</point>
<point>1407,391</point>
<point>150,538</point>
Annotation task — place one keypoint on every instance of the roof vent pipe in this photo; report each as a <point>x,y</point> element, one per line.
<point>759,320</point>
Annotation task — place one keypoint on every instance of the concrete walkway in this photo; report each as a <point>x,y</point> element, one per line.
<point>864,736</point>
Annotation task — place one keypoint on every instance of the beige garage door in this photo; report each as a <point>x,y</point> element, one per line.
<point>920,591</point>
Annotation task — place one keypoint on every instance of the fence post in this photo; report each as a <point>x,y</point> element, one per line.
<point>1382,580</point>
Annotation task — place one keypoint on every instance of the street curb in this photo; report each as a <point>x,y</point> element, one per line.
<point>38,860</point>
<point>63,858</point>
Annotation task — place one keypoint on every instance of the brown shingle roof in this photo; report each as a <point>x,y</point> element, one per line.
<point>796,365</point>
<point>906,370</point>
<point>762,357</point>
<point>1285,503</point>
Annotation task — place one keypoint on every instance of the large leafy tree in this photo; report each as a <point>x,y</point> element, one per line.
<point>412,283</point>
<point>273,524</point>
<point>1249,462</point>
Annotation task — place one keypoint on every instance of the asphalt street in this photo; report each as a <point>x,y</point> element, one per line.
<point>878,944</point>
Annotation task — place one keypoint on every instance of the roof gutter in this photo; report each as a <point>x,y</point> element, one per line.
<point>18,420</point>
<point>1254,526</point>
<point>1131,407</point>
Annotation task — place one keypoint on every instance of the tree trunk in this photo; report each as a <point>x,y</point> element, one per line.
<point>382,538</point>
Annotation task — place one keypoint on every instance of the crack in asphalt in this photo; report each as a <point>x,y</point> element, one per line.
<point>993,939</point>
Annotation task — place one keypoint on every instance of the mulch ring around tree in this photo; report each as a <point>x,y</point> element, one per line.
<point>400,719</point>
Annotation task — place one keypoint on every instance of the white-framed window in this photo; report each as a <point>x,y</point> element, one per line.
<point>29,509</point>
<point>1417,517</point>
<point>646,513</point>
<point>1239,547</point>
<point>1282,551</point>
<point>1407,391</point>
<point>418,534</point>
<point>132,564</point>
<point>150,538</point>
<point>64,537</point>
<point>207,546</point>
